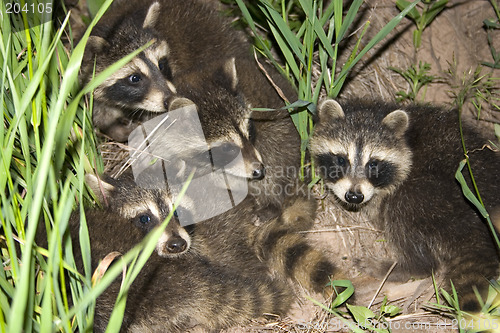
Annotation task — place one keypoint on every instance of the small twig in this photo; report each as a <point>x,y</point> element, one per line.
<point>278,89</point>
<point>382,284</point>
<point>485,146</point>
<point>104,265</point>
<point>337,230</point>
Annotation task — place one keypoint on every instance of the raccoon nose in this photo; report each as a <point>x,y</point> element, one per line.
<point>259,172</point>
<point>166,103</point>
<point>354,198</point>
<point>176,244</point>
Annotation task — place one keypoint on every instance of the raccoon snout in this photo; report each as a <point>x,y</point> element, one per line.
<point>354,197</point>
<point>259,172</point>
<point>176,244</point>
<point>167,102</point>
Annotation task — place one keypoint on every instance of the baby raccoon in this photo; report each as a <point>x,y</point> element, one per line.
<point>268,140</point>
<point>171,293</point>
<point>225,119</point>
<point>396,167</point>
<point>144,208</point>
<point>139,90</point>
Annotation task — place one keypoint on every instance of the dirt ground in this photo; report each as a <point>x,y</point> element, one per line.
<point>457,36</point>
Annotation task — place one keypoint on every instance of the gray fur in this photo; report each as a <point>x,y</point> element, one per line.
<point>422,210</point>
<point>237,239</point>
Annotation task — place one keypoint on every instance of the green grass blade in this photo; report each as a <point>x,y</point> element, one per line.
<point>281,28</point>
<point>378,37</point>
<point>347,22</point>
<point>287,54</point>
<point>474,200</point>
<point>413,13</point>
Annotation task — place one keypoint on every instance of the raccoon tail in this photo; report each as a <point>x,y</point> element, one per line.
<point>198,292</point>
<point>475,269</point>
<point>242,299</point>
<point>288,252</point>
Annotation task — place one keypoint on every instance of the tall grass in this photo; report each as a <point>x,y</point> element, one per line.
<point>46,145</point>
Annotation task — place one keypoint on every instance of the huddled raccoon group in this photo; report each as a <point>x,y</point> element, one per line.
<point>232,266</point>
<point>394,166</point>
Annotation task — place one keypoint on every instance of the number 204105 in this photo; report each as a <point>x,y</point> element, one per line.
<point>17,8</point>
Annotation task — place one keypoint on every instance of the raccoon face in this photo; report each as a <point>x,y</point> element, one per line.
<point>145,83</point>
<point>358,156</point>
<point>230,144</point>
<point>225,118</point>
<point>142,84</point>
<point>145,209</point>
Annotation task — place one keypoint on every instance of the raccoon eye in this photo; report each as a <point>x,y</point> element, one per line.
<point>175,213</point>
<point>224,154</point>
<point>165,68</point>
<point>340,160</point>
<point>144,219</point>
<point>134,78</point>
<point>372,165</point>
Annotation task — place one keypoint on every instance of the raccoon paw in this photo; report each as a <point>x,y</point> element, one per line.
<point>379,268</point>
<point>266,214</point>
<point>469,303</point>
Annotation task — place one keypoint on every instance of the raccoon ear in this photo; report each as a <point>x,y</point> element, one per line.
<point>329,110</point>
<point>96,44</point>
<point>101,188</point>
<point>397,121</point>
<point>152,15</point>
<point>179,102</point>
<point>230,70</point>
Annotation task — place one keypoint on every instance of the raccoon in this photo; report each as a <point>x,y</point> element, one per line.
<point>396,167</point>
<point>237,240</point>
<point>233,239</point>
<point>268,140</point>
<point>226,121</point>
<point>199,42</point>
<point>145,209</point>
<point>143,86</point>
<point>174,293</point>
<point>139,90</point>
